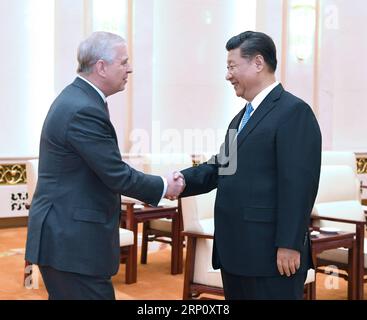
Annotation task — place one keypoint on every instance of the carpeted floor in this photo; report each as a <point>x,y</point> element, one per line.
<point>154,279</point>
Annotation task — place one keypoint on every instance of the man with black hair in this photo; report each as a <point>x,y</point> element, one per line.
<point>262,209</point>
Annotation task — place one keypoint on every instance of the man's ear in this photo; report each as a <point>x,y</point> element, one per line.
<point>101,68</point>
<point>259,62</point>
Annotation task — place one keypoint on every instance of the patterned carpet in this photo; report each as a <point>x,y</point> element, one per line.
<point>154,278</point>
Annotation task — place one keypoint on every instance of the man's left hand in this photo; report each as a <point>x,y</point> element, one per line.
<point>176,184</point>
<point>288,261</point>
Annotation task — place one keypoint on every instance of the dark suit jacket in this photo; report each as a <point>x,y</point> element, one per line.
<point>267,202</point>
<point>74,216</point>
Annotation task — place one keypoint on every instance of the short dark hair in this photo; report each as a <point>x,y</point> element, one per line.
<point>252,43</point>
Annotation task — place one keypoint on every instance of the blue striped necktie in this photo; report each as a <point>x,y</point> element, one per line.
<point>246,117</point>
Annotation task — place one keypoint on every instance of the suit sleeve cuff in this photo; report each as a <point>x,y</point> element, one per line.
<point>165,183</point>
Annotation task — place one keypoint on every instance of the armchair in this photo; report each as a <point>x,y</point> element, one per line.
<point>198,222</point>
<point>338,205</point>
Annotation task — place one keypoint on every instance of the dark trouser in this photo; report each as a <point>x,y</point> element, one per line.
<point>62,285</point>
<point>263,288</point>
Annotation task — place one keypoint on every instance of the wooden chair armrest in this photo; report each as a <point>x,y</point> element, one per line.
<point>357,222</point>
<point>130,201</point>
<point>196,235</point>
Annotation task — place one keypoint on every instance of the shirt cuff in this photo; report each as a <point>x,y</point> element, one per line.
<point>164,187</point>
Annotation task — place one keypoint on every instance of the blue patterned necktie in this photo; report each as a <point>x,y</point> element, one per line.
<point>245,117</point>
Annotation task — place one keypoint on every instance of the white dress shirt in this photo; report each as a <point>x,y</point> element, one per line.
<point>95,88</point>
<point>262,95</point>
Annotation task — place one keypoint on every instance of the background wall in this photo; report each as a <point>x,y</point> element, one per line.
<point>343,74</point>
<point>189,87</point>
<point>26,84</point>
<point>179,62</point>
<point>322,62</point>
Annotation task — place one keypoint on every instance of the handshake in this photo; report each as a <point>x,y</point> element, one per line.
<point>176,184</point>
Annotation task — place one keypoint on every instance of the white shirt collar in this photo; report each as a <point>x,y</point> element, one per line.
<point>262,95</point>
<point>93,86</point>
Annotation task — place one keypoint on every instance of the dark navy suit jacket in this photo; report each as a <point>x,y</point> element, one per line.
<point>74,216</point>
<point>267,202</point>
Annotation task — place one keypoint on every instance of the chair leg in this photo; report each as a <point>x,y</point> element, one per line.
<point>176,247</point>
<point>313,290</point>
<point>189,268</point>
<point>144,244</point>
<point>131,267</point>
<point>310,291</point>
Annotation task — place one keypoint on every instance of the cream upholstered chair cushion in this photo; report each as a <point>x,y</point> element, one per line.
<point>204,272</point>
<point>32,177</point>
<point>163,224</point>
<point>334,158</point>
<point>346,158</point>
<point>310,276</point>
<point>198,213</point>
<point>198,217</point>
<point>337,183</point>
<point>126,237</point>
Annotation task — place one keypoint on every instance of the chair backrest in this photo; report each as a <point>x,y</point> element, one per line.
<point>164,163</point>
<point>197,208</point>
<point>337,197</point>
<point>346,158</point>
<point>337,183</point>
<point>32,177</point>
<point>332,158</point>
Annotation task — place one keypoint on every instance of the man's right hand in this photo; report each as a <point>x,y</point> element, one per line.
<point>176,184</point>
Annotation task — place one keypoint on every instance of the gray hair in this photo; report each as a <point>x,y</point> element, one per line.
<point>98,46</point>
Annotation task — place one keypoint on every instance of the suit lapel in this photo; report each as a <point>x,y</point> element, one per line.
<point>264,108</point>
<point>94,95</point>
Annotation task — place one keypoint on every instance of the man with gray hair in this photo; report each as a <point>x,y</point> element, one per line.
<point>73,228</point>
